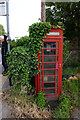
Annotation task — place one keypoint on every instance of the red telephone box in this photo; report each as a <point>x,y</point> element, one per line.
<point>49,79</point>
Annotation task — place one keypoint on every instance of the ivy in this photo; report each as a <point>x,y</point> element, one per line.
<point>22,59</point>
<point>40,100</point>
<point>37,32</point>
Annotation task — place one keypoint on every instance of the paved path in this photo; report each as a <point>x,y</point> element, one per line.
<point>5,110</point>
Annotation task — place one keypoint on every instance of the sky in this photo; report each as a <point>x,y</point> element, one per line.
<point>22,14</point>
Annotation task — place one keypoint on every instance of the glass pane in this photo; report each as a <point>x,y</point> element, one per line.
<point>57,52</point>
<point>56,84</point>
<point>56,72</point>
<point>49,72</point>
<point>49,91</point>
<point>50,52</point>
<point>57,44</point>
<point>49,44</point>
<point>41,79</point>
<point>56,78</point>
<point>47,79</point>
<point>41,51</point>
<point>41,90</point>
<point>57,58</point>
<point>48,85</point>
<point>41,85</point>
<point>41,66</point>
<point>41,58</point>
<point>41,72</point>
<point>49,58</point>
<point>56,90</point>
<point>49,65</point>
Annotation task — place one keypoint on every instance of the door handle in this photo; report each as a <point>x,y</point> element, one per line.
<point>59,65</point>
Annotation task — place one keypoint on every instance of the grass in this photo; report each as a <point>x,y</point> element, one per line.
<point>70,91</point>
<point>69,99</point>
<point>71,68</point>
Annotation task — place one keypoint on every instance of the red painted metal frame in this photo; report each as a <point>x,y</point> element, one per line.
<point>38,82</point>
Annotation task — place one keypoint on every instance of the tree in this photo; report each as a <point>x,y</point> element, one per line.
<point>2,31</point>
<point>43,19</point>
<point>67,13</point>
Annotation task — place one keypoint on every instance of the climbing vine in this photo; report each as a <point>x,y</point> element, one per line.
<point>22,60</point>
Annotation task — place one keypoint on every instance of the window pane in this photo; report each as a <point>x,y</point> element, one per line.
<point>57,52</point>
<point>47,79</point>
<point>49,44</point>
<point>49,91</point>
<point>49,72</point>
<point>56,90</point>
<point>57,58</point>
<point>50,52</point>
<point>41,72</point>
<point>41,79</point>
<point>57,44</point>
<point>41,51</point>
<point>56,78</point>
<point>41,58</point>
<point>49,58</point>
<point>41,66</point>
<point>49,65</point>
<point>56,72</point>
<point>48,85</point>
<point>41,85</point>
<point>56,84</point>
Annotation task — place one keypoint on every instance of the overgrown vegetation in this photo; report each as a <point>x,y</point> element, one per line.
<point>71,67</point>
<point>69,98</point>
<point>68,14</point>
<point>24,109</point>
<point>40,100</point>
<point>23,65</point>
<point>65,50</point>
<point>22,58</point>
<point>23,41</point>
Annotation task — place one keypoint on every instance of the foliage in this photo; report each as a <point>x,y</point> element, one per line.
<point>2,31</point>
<point>22,60</point>
<point>67,13</point>
<point>40,100</point>
<point>68,99</point>
<point>69,86</point>
<point>12,44</point>
<point>18,66</point>
<point>64,107</point>
<point>37,32</point>
<point>71,67</point>
<point>65,50</point>
<point>71,92</point>
<point>23,41</point>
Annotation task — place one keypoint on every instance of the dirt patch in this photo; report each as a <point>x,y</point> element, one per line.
<point>22,109</point>
<point>76,113</point>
